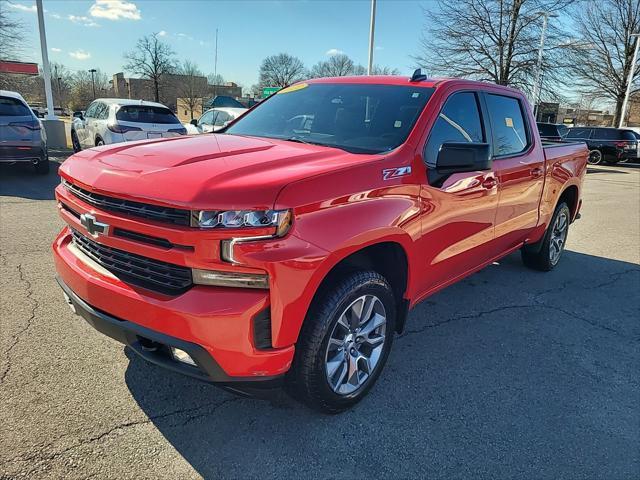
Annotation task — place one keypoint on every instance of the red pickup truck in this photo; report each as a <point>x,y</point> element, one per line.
<point>289,249</point>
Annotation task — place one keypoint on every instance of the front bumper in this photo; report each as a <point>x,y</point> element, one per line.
<point>215,324</point>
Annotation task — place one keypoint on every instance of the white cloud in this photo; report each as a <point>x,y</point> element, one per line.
<point>162,33</point>
<point>56,50</point>
<point>57,16</point>
<point>334,51</point>
<point>24,8</point>
<point>81,20</point>
<point>115,10</point>
<point>80,55</point>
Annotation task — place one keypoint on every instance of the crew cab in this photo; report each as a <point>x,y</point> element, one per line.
<point>289,249</point>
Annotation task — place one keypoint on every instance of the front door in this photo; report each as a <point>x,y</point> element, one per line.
<point>458,213</point>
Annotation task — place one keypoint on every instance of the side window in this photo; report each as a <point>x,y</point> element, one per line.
<point>579,133</point>
<point>459,121</point>
<point>507,124</point>
<point>221,118</point>
<point>102,111</point>
<point>207,118</point>
<point>90,113</point>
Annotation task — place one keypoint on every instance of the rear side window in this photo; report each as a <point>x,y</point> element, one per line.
<point>562,130</point>
<point>507,124</point>
<point>12,107</point>
<point>222,118</point>
<point>579,133</point>
<point>459,121</point>
<point>146,114</point>
<point>547,130</point>
<point>628,135</point>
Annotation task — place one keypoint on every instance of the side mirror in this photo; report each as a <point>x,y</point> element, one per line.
<point>194,122</point>
<point>455,157</point>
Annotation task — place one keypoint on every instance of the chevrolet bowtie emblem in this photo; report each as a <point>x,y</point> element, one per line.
<point>94,227</point>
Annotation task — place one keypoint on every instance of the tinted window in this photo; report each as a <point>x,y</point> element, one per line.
<point>91,111</point>
<point>579,133</point>
<point>12,107</point>
<point>359,118</point>
<point>547,130</point>
<point>607,134</point>
<point>459,121</point>
<point>563,130</point>
<point>146,114</point>
<point>507,124</point>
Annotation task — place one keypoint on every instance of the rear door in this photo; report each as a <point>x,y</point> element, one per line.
<point>82,126</point>
<point>518,161</point>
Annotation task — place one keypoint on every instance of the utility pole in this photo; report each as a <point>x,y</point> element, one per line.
<point>372,27</point>
<point>93,82</point>
<point>45,63</point>
<point>215,69</point>
<point>536,86</point>
<point>629,80</point>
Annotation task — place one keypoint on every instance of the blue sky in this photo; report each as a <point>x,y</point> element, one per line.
<point>94,34</point>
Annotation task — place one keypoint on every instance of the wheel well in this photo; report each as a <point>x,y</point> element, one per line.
<point>570,197</point>
<point>98,137</point>
<point>389,260</point>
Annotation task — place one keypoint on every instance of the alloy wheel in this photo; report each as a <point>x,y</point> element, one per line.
<point>356,345</point>
<point>558,236</point>
<point>595,157</point>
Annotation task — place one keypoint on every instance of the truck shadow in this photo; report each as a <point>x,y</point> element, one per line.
<point>510,373</point>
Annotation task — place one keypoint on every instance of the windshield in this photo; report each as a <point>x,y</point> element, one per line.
<point>355,117</point>
<point>146,114</point>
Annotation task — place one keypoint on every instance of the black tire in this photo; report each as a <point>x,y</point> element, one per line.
<point>308,380</point>
<point>539,256</point>
<point>595,157</point>
<point>75,143</point>
<point>42,167</point>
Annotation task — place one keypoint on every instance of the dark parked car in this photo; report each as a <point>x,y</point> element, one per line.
<point>612,145</point>
<point>552,131</point>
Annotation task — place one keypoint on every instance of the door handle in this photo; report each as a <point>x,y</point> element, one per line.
<point>489,183</point>
<point>537,172</point>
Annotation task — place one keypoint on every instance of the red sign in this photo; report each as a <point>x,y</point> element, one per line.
<point>19,67</point>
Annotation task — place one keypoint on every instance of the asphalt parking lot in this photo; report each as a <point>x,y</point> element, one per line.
<point>508,374</point>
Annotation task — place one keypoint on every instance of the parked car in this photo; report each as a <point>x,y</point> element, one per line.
<point>115,120</point>
<point>290,252</point>
<point>552,131</point>
<point>215,119</point>
<point>608,144</point>
<point>22,137</point>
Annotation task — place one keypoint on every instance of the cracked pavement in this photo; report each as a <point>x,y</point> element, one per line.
<point>510,373</point>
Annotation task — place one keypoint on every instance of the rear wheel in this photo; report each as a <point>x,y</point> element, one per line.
<point>595,157</point>
<point>546,256</point>
<point>344,343</point>
<point>99,142</point>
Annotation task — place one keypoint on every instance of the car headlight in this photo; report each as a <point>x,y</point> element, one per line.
<point>242,218</point>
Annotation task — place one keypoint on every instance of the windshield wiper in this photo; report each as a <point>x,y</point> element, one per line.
<point>300,140</point>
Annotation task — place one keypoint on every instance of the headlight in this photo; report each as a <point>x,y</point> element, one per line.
<point>241,218</point>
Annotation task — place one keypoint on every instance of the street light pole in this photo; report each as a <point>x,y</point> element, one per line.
<point>372,27</point>
<point>93,82</point>
<point>629,80</point>
<point>536,85</point>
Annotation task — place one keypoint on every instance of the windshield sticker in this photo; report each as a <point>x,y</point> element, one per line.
<point>415,95</point>
<point>397,124</point>
<point>508,122</point>
<point>293,88</point>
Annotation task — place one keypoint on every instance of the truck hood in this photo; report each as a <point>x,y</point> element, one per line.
<point>204,171</point>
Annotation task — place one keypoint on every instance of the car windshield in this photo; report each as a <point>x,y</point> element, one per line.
<point>358,118</point>
<point>146,114</point>
<point>12,107</point>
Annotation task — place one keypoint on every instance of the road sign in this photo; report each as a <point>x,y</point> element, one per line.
<point>266,91</point>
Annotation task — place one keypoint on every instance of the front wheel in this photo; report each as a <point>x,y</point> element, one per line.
<point>344,342</point>
<point>595,157</point>
<point>546,256</point>
<point>75,143</point>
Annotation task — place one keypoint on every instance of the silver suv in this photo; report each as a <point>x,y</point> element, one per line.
<point>22,138</point>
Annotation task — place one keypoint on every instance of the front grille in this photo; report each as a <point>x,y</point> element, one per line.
<point>135,269</point>
<point>156,213</point>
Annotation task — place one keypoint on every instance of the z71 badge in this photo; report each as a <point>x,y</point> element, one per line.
<point>389,173</point>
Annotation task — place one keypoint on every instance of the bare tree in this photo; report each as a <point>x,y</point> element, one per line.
<point>600,58</point>
<point>281,70</point>
<point>336,66</point>
<point>192,87</point>
<point>12,36</point>
<point>491,40</point>
<point>375,70</point>
<point>152,59</point>
<point>81,88</point>
<point>215,79</point>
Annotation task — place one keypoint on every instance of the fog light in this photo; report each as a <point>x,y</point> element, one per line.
<point>182,356</point>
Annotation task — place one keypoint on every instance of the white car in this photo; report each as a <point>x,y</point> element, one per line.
<point>115,120</point>
<point>216,118</point>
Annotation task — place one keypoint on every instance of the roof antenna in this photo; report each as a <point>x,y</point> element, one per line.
<point>418,76</point>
